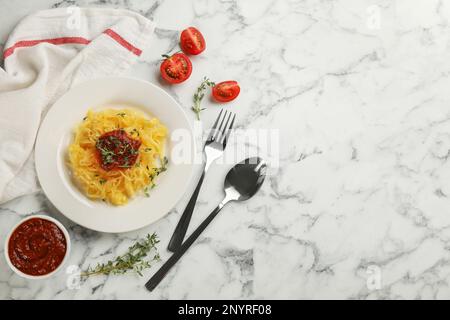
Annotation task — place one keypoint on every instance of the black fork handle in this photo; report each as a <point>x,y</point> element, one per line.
<point>183,224</point>
<point>161,273</point>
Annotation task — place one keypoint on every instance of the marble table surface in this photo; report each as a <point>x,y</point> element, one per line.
<point>359,204</point>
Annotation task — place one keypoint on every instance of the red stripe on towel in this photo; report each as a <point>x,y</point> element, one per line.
<point>72,40</point>
<point>124,43</point>
<point>55,41</point>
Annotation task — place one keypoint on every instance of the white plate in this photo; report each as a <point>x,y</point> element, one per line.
<point>56,133</point>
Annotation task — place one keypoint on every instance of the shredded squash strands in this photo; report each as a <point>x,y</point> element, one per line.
<point>117,186</point>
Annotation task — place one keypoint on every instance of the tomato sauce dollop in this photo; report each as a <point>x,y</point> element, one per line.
<point>37,247</point>
<point>117,150</point>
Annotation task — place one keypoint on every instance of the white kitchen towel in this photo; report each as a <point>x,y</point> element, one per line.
<point>47,54</point>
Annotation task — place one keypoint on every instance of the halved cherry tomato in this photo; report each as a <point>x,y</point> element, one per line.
<point>176,68</point>
<point>226,91</point>
<point>192,41</point>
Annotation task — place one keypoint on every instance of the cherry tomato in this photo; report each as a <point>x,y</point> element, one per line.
<point>226,91</point>
<point>176,68</point>
<point>192,41</point>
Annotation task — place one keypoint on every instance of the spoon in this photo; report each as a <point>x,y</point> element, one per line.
<point>241,183</point>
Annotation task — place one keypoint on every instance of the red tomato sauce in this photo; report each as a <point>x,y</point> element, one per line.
<point>37,247</point>
<point>117,150</point>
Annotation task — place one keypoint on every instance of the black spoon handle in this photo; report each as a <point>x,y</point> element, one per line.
<point>161,273</point>
<point>183,224</point>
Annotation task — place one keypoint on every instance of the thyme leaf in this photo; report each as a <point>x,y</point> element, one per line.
<point>155,173</point>
<point>199,95</point>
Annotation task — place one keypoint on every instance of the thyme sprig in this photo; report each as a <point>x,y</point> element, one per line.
<point>199,95</point>
<point>132,260</point>
<point>164,163</point>
<point>154,173</point>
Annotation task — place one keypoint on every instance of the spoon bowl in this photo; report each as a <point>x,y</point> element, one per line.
<point>245,179</point>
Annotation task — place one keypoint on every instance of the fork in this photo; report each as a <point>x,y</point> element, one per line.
<point>214,146</point>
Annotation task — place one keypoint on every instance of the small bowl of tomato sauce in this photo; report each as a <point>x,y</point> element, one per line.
<point>37,247</point>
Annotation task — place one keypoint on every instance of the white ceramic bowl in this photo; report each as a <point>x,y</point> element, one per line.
<point>27,276</point>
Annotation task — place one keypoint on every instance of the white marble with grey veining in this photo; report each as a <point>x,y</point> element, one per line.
<point>359,91</point>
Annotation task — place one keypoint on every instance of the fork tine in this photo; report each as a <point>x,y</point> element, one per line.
<point>212,132</point>
<point>224,129</point>
<point>217,120</point>
<point>227,134</point>
<point>218,133</point>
